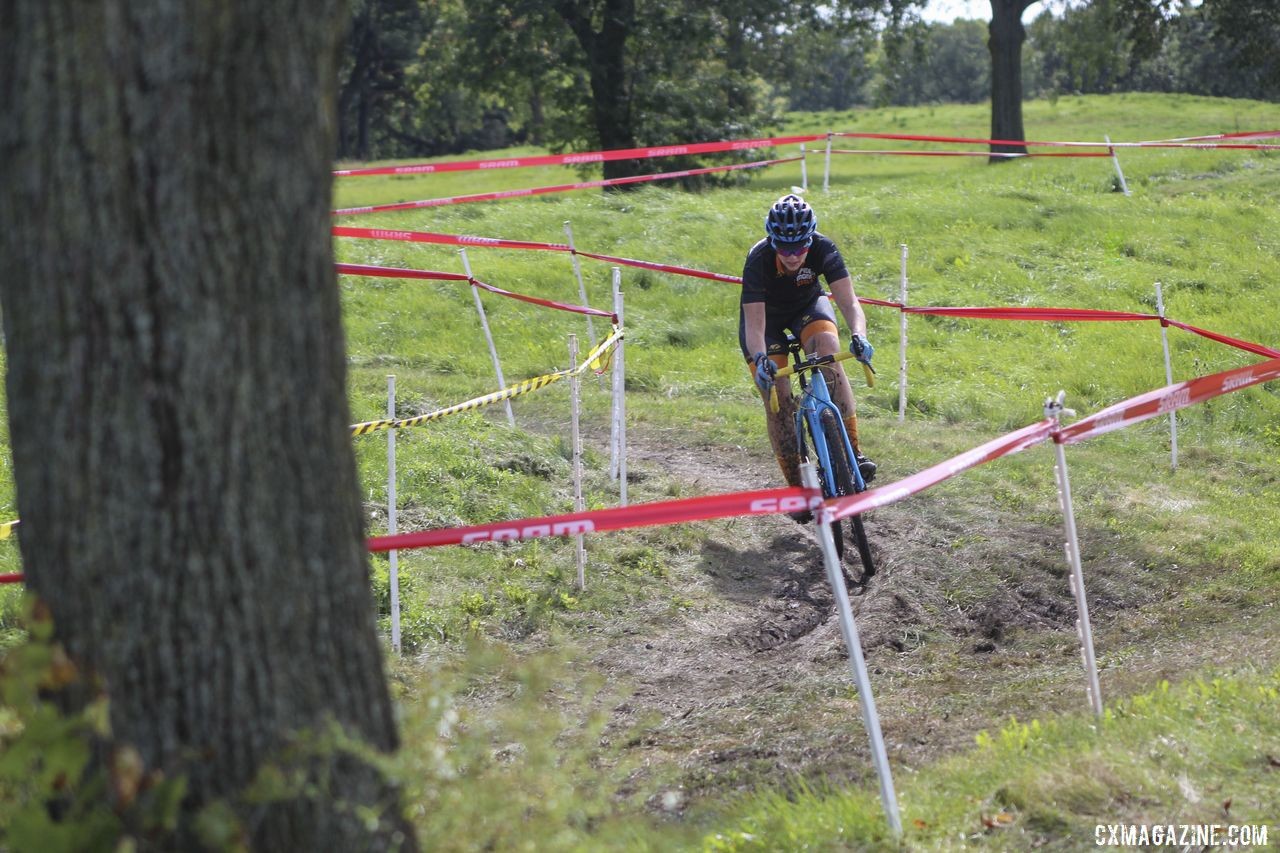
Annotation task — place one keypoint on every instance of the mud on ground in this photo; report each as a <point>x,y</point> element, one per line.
<point>970,620</point>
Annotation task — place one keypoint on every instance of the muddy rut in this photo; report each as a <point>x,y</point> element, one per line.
<point>969,620</point>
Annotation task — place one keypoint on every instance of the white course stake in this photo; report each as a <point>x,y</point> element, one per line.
<point>1053,409</point>
<point>618,467</point>
<point>826,171</point>
<point>902,339</point>
<point>804,170</point>
<point>582,287</point>
<point>857,664</point>
<point>488,336</point>
<point>1168,379</point>
<point>1115,161</point>
<point>391,516</point>
<point>576,452</point>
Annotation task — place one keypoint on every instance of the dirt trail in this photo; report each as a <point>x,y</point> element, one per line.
<point>970,620</point>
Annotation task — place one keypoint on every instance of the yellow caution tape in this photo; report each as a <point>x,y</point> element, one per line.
<point>505,394</point>
<point>602,356</point>
<point>372,426</point>
<point>6,529</point>
<point>598,359</point>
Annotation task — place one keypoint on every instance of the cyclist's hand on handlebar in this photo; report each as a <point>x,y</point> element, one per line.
<point>861,348</point>
<point>765,370</point>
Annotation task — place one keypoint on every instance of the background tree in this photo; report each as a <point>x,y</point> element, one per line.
<point>1252,29</point>
<point>1088,50</point>
<point>382,42</point>
<point>177,407</point>
<point>1219,47</point>
<point>935,63</point>
<point>657,72</point>
<point>1005,44</point>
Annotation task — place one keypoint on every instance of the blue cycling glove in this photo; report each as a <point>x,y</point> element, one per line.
<point>861,348</point>
<point>765,369</point>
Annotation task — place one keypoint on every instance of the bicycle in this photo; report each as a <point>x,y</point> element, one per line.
<point>821,419</point>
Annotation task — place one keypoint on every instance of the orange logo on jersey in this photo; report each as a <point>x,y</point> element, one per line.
<point>805,277</point>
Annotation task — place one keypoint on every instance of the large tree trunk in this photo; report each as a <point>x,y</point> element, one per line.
<point>188,494</point>
<point>1005,44</point>
<point>606,52</point>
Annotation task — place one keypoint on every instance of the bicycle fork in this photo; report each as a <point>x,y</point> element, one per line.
<point>813,402</point>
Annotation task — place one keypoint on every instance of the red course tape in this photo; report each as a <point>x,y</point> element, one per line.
<point>582,185</point>
<point>583,157</point>
<point>1168,399</point>
<point>1028,436</point>
<point>430,275</point>
<point>762,502</point>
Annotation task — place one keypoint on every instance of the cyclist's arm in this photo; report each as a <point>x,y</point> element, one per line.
<point>753,317</point>
<point>842,293</point>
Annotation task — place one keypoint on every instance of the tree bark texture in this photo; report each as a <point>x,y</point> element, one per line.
<point>176,370</point>
<point>601,28</point>
<point>1005,43</point>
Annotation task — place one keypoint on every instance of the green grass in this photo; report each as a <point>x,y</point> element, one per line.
<point>1175,755</point>
<point>1044,232</point>
<point>1041,233</point>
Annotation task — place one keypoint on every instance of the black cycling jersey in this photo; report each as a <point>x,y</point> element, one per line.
<point>782,293</point>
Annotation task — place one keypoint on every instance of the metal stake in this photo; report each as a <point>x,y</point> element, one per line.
<point>857,664</point>
<point>576,439</point>
<point>826,172</point>
<point>582,287</point>
<point>1168,380</point>
<point>620,394</point>
<point>1115,161</point>
<point>902,339</point>
<point>1053,409</point>
<point>391,515</point>
<point>488,336</point>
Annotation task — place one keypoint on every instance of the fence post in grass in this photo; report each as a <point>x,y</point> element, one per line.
<point>857,663</point>
<point>804,170</point>
<point>576,454</point>
<point>488,336</point>
<point>391,516</point>
<point>582,287</point>
<point>1168,379</point>
<point>618,441</point>
<point>1115,161</point>
<point>826,171</point>
<point>902,338</point>
<point>1053,409</point>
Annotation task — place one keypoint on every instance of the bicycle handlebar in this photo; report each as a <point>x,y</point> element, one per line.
<point>813,363</point>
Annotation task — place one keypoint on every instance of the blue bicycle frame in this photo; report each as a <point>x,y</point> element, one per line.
<point>815,399</point>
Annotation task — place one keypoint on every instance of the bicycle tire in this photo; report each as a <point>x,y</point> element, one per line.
<point>845,484</point>
<point>822,485</point>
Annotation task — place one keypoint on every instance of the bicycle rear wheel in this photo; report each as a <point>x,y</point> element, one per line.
<point>845,484</point>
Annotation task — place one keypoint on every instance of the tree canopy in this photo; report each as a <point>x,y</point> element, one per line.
<point>431,77</point>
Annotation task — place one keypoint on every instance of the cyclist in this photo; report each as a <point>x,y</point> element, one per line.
<point>781,293</point>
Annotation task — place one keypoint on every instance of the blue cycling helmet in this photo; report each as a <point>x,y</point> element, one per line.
<point>791,220</point>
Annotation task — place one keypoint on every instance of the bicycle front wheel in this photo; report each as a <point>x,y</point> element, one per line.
<point>843,483</point>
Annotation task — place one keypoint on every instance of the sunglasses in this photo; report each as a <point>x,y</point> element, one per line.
<point>792,250</point>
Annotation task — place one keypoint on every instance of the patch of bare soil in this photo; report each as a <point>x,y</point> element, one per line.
<point>970,620</point>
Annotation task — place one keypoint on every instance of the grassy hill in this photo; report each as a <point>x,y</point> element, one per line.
<point>695,694</point>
